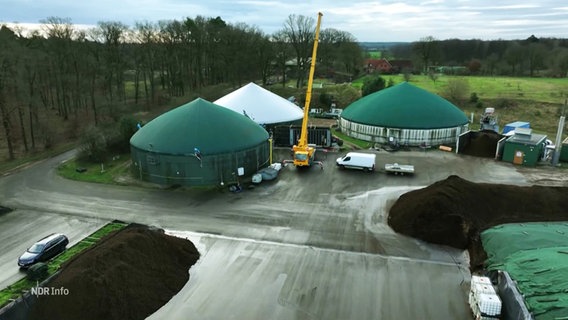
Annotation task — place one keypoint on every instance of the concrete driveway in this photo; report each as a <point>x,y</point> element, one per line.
<point>21,228</point>
<point>310,245</point>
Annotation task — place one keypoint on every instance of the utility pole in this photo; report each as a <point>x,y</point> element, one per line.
<point>558,146</point>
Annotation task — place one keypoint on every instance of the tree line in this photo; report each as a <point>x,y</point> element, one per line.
<point>63,74</point>
<point>529,57</point>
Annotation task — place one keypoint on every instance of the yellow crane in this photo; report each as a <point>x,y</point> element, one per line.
<point>304,154</point>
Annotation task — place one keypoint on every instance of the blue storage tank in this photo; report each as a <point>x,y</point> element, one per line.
<point>517,124</point>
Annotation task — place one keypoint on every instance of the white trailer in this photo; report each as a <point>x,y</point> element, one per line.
<point>401,169</point>
<point>356,160</point>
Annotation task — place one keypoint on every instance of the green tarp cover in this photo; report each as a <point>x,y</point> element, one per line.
<point>405,106</point>
<point>536,257</point>
<point>200,124</point>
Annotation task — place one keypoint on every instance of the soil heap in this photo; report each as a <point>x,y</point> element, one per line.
<point>455,211</point>
<point>483,145</point>
<point>129,275</point>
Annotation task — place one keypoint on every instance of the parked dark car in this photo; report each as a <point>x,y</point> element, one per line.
<point>43,250</point>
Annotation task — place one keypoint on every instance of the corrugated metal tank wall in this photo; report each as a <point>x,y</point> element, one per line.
<point>188,170</point>
<point>410,137</point>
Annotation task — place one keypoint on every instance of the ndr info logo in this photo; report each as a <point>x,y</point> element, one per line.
<point>49,291</point>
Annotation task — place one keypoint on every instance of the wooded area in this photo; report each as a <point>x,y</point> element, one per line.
<point>62,76</point>
<point>547,57</point>
<point>60,82</point>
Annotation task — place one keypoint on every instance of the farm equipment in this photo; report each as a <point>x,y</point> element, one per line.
<point>489,120</point>
<point>401,169</point>
<point>392,145</point>
<point>333,113</point>
<point>304,153</point>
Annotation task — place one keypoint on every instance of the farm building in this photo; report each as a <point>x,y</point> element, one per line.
<point>287,136</point>
<point>524,147</point>
<point>199,144</point>
<point>261,105</point>
<point>404,113</point>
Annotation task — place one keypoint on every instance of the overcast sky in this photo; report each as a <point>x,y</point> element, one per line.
<point>381,21</point>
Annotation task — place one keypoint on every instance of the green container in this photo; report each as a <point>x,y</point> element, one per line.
<point>564,151</point>
<point>526,150</point>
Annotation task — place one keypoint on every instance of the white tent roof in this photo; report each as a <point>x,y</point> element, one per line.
<point>261,105</point>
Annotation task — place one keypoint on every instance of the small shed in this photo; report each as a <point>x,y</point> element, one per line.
<point>517,124</point>
<point>289,135</point>
<point>524,147</point>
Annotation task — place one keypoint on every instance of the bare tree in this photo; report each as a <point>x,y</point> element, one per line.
<point>8,62</point>
<point>340,51</point>
<point>31,80</point>
<point>491,64</point>
<point>562,63</point>
<point>300,33</point>
<point>246,54</point>
<point>282,52</point>
<point>113,34</point>
<point>146,63</point>
<point>57,27</point>
<point>514,57</point>
<point>265,53</point>
<point>60,34</point>
<point>427,50</point>
<point>535,54</point>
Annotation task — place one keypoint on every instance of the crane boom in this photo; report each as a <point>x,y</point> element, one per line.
<point>303,153</point>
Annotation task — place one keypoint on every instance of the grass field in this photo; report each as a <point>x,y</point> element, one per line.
<point>536,100</point>
<point>375,54</point>
<point>548,90</point>
<point>96,172</point>
<point>15,290</point>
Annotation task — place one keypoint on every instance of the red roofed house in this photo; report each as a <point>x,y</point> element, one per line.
<point>377,65</point>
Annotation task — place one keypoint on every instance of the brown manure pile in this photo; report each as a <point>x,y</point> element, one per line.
<point>455,211</point>
<point>129,275</point>
<point>483,145</point>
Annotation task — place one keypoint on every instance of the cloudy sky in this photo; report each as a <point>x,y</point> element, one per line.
<point>381,21</point>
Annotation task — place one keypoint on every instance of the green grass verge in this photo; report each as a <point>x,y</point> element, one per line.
<point>14,290</point>
<point>359,143</point>
<point>95,172</point>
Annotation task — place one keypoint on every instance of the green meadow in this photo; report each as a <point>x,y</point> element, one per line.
<point>539,101</point>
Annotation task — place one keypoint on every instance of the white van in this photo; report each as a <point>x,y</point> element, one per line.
<point>356,160</point>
